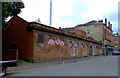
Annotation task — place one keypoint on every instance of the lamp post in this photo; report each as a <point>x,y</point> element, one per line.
<point>50,12</point>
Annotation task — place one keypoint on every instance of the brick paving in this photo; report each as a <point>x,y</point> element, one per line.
<point>28,65</point>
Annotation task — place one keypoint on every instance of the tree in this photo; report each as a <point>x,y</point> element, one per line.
<point>10,9</point>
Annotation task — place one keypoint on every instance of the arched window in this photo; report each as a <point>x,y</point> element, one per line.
<point>86,46</point>
<point>76,44</point>
<point>51,41</point>
<point>82,45</point>
<point>70,44</point>
<point>62,43</point>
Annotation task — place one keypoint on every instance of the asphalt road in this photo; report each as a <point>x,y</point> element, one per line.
<point>103,66</point>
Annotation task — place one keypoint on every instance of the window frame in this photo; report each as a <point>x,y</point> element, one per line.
<point>40,39</point>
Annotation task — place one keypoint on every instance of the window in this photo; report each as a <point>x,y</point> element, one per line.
<point>40,39</point>
<point>105,42</point>
<point>109,31</point>
<point>116,38</point>
<point>108,43</point>
<point>104,34</point>
<point>116,46</point>
<point>104,27</point>
<point>88,35</point>
<point>88,28</point>
<point>116,42</point>
<point>107,36</point>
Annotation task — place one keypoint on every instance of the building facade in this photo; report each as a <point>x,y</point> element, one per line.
<point>42,43</point>
<point>98,31</point>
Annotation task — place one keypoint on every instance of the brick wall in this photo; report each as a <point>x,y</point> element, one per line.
<point>79,32</point>
<point>18,33</point>
<point>45,43</point>
<point>94,31</point>
<point>9,55</point>
<point>52,49</point>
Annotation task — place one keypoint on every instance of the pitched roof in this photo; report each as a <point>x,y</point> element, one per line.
<point>19,18</point>
<point>68,29</point>
<point>42,27</point>
<point>91,23</point>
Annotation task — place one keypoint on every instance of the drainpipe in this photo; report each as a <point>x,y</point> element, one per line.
<point>32,46</point>
<point>104,41</point>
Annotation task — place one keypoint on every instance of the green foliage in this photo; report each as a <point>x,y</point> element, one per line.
<point>10,9</point>
<point>31,25</point>
<point>85,56</point>
<point>84,47</point>
<point>101,41</point>
<point>30,59</point>
<point>65,32</point>
<point>77,35</point>
<point>19,63</point>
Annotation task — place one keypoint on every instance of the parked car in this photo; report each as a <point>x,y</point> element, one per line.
<point>114,50</point>
<point>116,53</point>
<point>5,64</point>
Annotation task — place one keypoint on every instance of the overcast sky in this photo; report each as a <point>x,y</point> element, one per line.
<point>69,13</point>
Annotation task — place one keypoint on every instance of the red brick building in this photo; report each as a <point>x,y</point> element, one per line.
<point>40,42</point>
<point>99,31</point>
<point>79,32</point>
<point>17,37</point>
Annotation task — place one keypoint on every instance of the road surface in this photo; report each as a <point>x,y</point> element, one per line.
<point>103,66</point>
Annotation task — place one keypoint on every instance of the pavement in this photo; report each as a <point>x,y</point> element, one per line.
<point>28,65</point>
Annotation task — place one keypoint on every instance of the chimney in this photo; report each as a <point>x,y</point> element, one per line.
<point>59,27</point>
<point>106,21</point>
<point>117,33</point>
<point>109,24</point>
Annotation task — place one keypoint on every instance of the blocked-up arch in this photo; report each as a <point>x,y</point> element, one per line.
<point>51,41</point>
<point>70,44</point>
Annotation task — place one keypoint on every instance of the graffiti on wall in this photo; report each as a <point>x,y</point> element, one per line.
<point>86,46</point>
<point>82,45</point>
<point>62,43</point>
<point>51,41</point>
